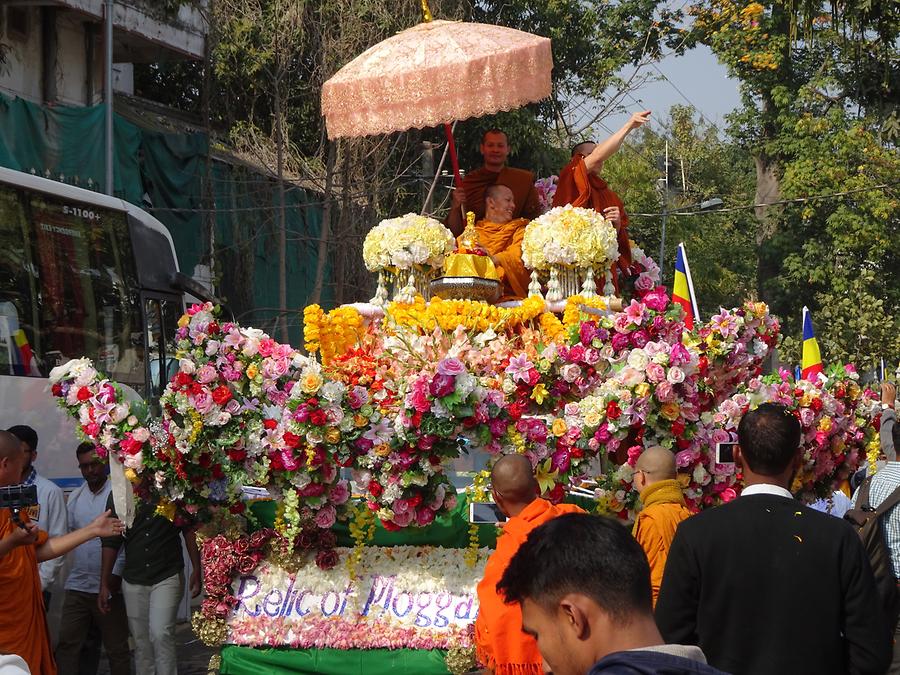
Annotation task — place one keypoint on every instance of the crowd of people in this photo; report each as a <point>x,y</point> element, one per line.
<point>760,585</point>
<point>122,580</point>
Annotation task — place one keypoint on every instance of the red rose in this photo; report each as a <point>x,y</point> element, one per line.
<point>237,507</point>
<point>291,440</point>
<point>613,411</point>
<point>325,560</point>
<point>56,389</point>
<point>212,328</point>
<point>556,494</point>
<point>678,427</point>
<point>317,417</point>
<point>237,454</point>
<point>375,489</point>
<point>816,404</point>
<point>270,423</point>
<point>183,379</point>
<point>390,526</point>
<point>516,410</point>
<point>221,395</point>
<point>84,394</point>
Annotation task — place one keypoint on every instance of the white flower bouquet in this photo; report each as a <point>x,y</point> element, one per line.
<point>406,242</point>
<point>569,236</point>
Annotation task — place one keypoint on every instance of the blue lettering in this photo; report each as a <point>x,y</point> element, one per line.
<point>423,602</point>
<point>288,597</point>
<point>464,606</point>
<point>298,604</point>
<point>245,594</point>
<point>408,607</point>
<point>337,603</point>
<point>272,604</point>
<point>443,601</point>
<point>378,586</point>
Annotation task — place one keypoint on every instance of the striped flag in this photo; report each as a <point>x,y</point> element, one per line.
<point>812,358</point>
<point>683,289</point>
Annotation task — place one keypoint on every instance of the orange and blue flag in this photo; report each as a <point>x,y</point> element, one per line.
<point>683,289</point>
<point>812,358</point>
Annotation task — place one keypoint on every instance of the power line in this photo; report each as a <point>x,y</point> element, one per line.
<point>794,200</point>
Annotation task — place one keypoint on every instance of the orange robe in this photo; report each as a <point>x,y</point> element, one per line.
<point>23,623</point>
<point>499,641</point>
<point>577,187</point>
<point>655,526</point>
<point>520,181</point>
<point>504,242</point>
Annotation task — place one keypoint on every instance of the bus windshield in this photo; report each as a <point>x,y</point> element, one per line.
<point>68,288</point>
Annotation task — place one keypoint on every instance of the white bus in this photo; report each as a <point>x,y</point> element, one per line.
<point>81,274</point>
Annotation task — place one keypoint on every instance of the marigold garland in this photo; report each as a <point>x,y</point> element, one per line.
<point>573,314</point>
<point>450,314</point>
<point>331,334</point>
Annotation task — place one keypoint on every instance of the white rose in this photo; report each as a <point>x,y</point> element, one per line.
<point>638,359</point>
<point>187,366</point>
<point>675,375</point>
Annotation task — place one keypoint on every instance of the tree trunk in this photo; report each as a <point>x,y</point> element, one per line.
<point>316,295</point>
<point>767,191</point>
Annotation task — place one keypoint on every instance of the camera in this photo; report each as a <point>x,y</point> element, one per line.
<point>18,497</point>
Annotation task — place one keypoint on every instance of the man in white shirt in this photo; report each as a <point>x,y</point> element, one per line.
<point>80,611</point>
<point>52,503</point>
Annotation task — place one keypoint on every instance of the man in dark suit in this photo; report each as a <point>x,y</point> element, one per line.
<point>766,585</point>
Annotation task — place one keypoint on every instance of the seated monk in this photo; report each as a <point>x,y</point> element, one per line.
<point>663,508</point>
<point>500,235</point>
<point>471,197</point>
<point>580,184</point>
<point>500,643</point>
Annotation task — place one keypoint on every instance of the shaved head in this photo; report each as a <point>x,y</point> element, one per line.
<point>512,478</point>
<point>12,459</point>
<point>658,463</point>
<point>584,148</point>
<point>496,191</point>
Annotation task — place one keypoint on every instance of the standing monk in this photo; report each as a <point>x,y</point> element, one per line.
<point>663,508</point>
<point>500,643</point>
<point>23,624</point>
<point>580,184</point>
<point>495,149</point>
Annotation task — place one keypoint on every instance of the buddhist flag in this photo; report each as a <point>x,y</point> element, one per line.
<point>683,289</point>
<point>812,358</point>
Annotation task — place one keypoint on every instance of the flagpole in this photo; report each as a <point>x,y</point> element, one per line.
<point>690,281</point>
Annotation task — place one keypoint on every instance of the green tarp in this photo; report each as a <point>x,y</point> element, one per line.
<point>246,661</point>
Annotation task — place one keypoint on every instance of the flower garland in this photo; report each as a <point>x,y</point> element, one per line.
<point>331,334</point>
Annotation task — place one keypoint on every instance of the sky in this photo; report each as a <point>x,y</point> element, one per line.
<point>702,81</point>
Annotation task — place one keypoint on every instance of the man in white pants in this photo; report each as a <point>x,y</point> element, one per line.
<point>152,583</point>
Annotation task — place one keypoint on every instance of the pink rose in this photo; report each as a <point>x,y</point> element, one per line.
<point>655,373</point>
<point>451,366</point>
<point>664,392</point>
<point>424,517</point>
<point>206,374</point>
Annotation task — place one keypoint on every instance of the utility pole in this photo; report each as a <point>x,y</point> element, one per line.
<point>665,213</point>
<point>109,97</point>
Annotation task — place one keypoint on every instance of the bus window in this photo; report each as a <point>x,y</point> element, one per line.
<point>19,346</point>
<point>88,303</point>
<point>161,315</point>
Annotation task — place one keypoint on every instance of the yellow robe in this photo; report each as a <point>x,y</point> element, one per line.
<point>23,623</point>
<point>499,641</point>
<point>504,242</point>
<point>655,526</point>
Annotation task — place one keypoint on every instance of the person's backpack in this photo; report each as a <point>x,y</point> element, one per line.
<point>870,524</point>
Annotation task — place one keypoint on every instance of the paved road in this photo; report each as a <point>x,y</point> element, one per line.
<point>193,655</point>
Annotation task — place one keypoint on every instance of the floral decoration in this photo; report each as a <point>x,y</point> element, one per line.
<point>569,236</point>
<point>406,242</point>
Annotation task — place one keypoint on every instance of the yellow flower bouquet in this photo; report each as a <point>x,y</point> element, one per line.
<point>569,236</point>
<point>407,242</point>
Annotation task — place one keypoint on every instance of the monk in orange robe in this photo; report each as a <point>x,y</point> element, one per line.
<point>580,184</point>
<point>500,644</point>
<point>500,235</point>
<point>23,622</point>
<point>663,509</point>
<point>471,197</point>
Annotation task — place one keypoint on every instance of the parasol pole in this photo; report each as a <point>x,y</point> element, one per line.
<point>437,175</point>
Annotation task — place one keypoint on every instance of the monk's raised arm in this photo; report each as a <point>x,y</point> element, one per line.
<point>603,151</point>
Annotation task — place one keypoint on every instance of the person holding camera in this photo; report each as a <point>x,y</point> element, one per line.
<point>23,625</point>
<point>764,584</point>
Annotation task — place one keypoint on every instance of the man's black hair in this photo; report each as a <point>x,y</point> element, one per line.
<point>579,144</point>
<point>494,130</point>
<point>580,553</point>
<point>25,434</point>
<point>769,438</point>
<point>83,448</point>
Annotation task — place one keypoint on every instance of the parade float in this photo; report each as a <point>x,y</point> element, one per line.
<point>321,478</point>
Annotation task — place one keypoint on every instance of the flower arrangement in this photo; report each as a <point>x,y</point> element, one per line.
<point>405,242</point>
<point>546,189</point>
<point>569,236</point>
<point>105,415</point>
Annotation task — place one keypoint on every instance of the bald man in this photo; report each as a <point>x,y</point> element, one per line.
<point>23,626</point>
<point>663,509</point>
<point>501,645</point>
<point>501,237</point>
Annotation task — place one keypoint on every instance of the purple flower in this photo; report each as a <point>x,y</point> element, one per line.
<point>451,366</point>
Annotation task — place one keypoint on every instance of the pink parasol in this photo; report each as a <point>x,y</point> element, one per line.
<point>435,73</point>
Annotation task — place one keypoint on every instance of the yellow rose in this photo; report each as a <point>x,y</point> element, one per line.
<point>383,450</point>
<point>252,371</point>
<point>131,476</point>
<point>684,479</point>
<point>642,390</point>
<point>310,382</point>
<point>359,421</point>
<point>825,424</point>
<point>332,435</point>
<point>184,321</point>
<point>559,427</point>
<point>592,419</point>
<point>670,411</point>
